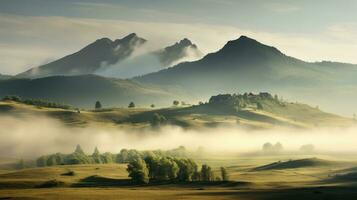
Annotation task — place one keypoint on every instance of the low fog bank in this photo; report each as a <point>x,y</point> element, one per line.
<point>30,137</point>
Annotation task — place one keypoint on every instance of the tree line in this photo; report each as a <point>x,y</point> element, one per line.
<point>36,102</point>
<point>143,166</point>
<point>125,156</point>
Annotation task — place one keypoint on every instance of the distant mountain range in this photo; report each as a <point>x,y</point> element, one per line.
<point>152,61</point>
<point>106,57</point>
<point>4,77</point>
<point>89,59</point>
<point>241,65</point>
<point>247,65</point>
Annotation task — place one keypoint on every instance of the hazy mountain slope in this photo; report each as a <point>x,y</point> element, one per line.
<point>247,65</point>
<point>84,90</point>
<point>3,76</point>
<point>178,52</point>
<point>99,54</point>
<point>152,61</point>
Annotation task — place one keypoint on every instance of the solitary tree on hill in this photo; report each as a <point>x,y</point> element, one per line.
<point>176,103</point>
<point>131,105</point>
<point>98,105</point>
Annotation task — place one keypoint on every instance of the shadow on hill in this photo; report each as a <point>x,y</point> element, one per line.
<point>99,181</point>
<point>292,164</point>
<point>6,108</point>
<point>348,176</point>
<point>201,184</point>
<point>313,193</point>
<point>20,198</point>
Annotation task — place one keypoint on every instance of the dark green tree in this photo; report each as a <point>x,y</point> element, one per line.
<point>187,170</point>
<point>107,157</point>
<point>138,171</point>
<point>175,103</point>
<point>168,169</point>
<point>122,157</point>
<point>152,162</point>
<point>131,105</point>
<point>224,174</point>
<point>96,156</point>
<point>206,173</point>
<point>98,105</point>
<point>51,160</point>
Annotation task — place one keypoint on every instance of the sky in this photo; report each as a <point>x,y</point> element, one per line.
<point>35,32</point>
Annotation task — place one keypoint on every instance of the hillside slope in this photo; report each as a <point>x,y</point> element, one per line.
<point>85,90</point>
<point>269,114</point>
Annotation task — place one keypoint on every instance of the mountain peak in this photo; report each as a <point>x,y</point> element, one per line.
<point>182,44</point>
<point>185,42</point>
<point>130,36</point>
<point>245,40</point>
<point>178,51</point>
<point>248,47</point>
<point>243,37</point>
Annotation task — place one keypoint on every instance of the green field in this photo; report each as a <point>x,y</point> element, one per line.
<point>291,115</point>
<point>309,178</point>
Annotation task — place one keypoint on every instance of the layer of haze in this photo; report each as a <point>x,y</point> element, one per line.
<point>29,137</point>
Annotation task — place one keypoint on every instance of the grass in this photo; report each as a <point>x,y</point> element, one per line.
<point>313,181</point>
<point>290,115</point>
<point>292,164</point>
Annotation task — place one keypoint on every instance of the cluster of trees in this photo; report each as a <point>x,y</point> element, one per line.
<point>77,157</point>
<point>36,102</point>
<point>154,168</point>
<point>244,100</point>
<point>125,156</point>
<point>143,166</point>
<point>307,148</point>
<point>270,148</point>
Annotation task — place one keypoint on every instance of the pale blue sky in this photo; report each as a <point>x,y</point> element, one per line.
<point>36,31</point>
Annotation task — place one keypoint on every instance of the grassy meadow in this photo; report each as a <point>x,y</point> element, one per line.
<point>294,178</point>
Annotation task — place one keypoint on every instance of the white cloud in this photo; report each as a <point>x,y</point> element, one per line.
<point>282,7</point>
<point>343,31</point>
